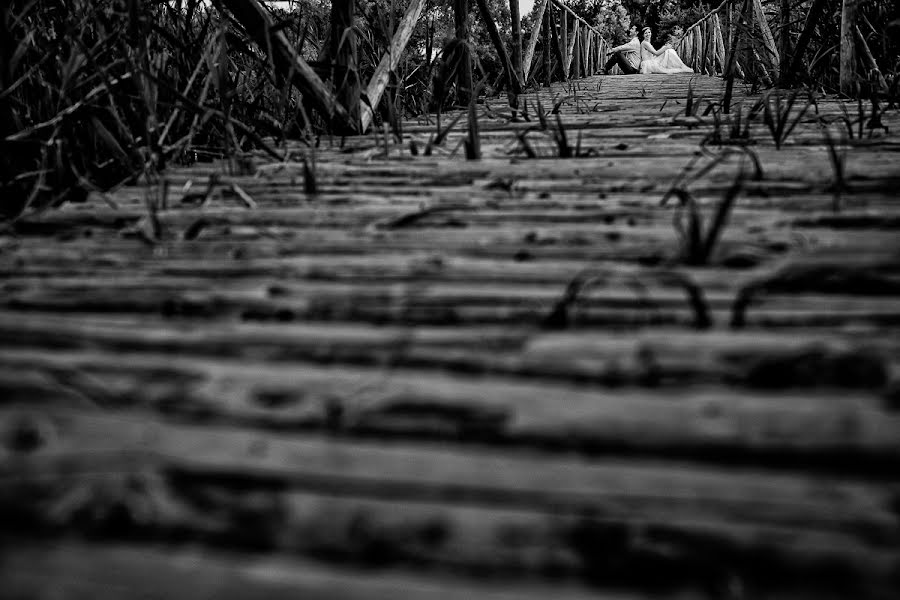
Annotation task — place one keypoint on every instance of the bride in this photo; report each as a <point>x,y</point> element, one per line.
<point>664,61</point>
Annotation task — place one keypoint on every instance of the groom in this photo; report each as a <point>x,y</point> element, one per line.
<point>627,56</point>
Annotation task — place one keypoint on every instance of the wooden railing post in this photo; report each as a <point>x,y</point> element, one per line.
<point>589,53</point>
<point>389,62</point>
<point>737,26</point>
<point>570,48</point>
<point>516,19</point>
<point>344,55</point>
<point>547,40</point>
<point>564,36</point>
<point>533,40</point>
<point>464,77</point>
<point>512,81</point>
<point>848,46</point>
<point>576,61</point>
<point>557,44</point>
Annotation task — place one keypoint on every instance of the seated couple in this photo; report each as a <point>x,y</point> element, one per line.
<point>641,57</point>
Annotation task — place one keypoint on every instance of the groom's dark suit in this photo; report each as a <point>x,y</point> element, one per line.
<point>627,56</point>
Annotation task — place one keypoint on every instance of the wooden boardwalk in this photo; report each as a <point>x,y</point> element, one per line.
<point>447,378</point>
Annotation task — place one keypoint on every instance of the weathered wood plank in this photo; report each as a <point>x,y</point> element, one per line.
<point>109,572</point>
<point>830,431</point>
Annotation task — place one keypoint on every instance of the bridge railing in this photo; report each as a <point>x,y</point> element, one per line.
<point>742,28</point>
<point>562,45</point>
<point>572,47</point>
<point>754,39</point>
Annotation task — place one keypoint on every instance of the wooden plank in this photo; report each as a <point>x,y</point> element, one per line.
<point>314,494</point>
<point>644,490</point>
<point>743,426</point>
<point>108,572</point>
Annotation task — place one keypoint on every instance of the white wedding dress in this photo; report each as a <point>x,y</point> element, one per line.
<point>666,63</point>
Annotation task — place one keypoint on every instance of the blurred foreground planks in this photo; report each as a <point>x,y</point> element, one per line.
<point>441,378</point>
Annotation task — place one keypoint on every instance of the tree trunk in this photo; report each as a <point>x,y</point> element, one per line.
<point>464,78</point>
<point>517,42</point>
<point>848,46</point>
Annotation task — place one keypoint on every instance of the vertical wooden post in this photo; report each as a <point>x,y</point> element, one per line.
<point>590,55</point>
<point>585,52</point>
<point>576,62</point>
<point>848,46</point>
<point>516,19</point>
<point>343,53</point>
<point>512,81</point>
<point>720,43</point>
<point>564,35</point>
<point>389,62</point>
<point>570,50</point>
<point>588,39</point>
<point>731,60</point>
<point>547,40</point>
<point>461,21</point>
<point>557,44</point>
<point>696,51</point>
<point>704,45</point>
<point>533,40</point>
<point>603,57</point>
